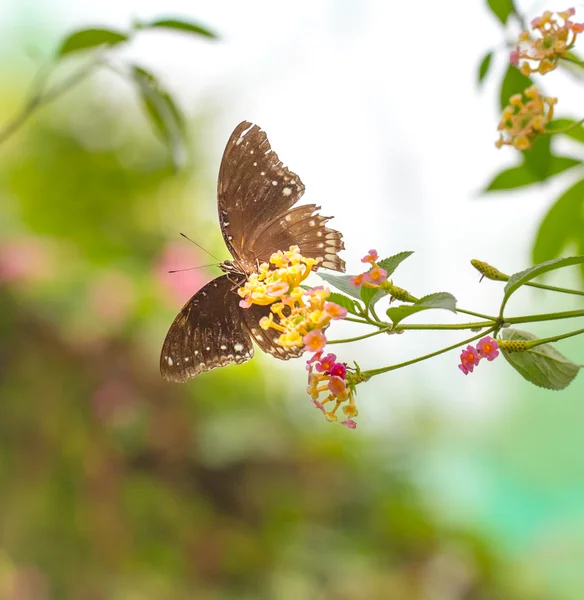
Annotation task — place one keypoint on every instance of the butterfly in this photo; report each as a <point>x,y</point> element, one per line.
<point>256,196</point>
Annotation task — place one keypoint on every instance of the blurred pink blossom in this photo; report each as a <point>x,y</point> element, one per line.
<point>181,286</point>
<point>26,259</point>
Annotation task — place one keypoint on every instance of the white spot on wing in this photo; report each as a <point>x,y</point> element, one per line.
<point>286,191</point>
<point>274,183</point>
<point>170,362</point>
<point>238,347</point>
<point>223,347</point>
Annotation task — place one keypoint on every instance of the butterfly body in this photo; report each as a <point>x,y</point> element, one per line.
<point>258,216</point>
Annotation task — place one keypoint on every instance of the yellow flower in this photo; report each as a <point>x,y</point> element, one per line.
<point>525,118</point>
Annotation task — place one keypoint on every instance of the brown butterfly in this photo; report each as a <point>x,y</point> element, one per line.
<point>256,198</point>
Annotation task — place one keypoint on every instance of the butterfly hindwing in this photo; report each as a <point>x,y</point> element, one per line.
<point>266,339</point>
<point>208,332</point>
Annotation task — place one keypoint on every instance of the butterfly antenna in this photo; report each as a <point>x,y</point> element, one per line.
<point>192,268</point>
<point>201,247</point>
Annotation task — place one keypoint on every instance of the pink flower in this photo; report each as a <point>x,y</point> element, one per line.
<point>277,289</point>
<point>338,370</point>
<point>314,340</point>
<point>315,357</point>
<point>334,311</point>
<point>463,369</point>
<point>336,385</point>
<point>514,57</point>
<point>318,405</point>
<point>377,275</point>
<point>245,302</point>
<point>326,363</point>
<point>488,348</point>
<point>357,280</point>
<point>349,423</point>
<point>469,359</point>
<point>371,257</point>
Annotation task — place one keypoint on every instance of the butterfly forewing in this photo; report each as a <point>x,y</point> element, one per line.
<point>208,332</point>
<point>256,193</point>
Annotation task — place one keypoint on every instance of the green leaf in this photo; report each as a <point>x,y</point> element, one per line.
<point>543,366</point>
<point>341,282</point>
<point>345,302</point>
<point>392,263</point>
<point>562,226</point>
<point>521,176</point>
<point>485,66</point>
<point>518,279</point>
<point>164,114</point>
<point>514,82</point>
<point>86,39</point>
<point>538,158</point>
<point>439,300</point>
<point>178,25</point>
<point>501,9</point>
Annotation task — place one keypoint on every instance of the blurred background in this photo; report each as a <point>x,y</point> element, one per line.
<point>115,484</point>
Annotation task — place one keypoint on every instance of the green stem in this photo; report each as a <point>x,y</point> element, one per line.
<point>372,372</point>
<point>552,288</point>
<point>360,337</point>
<point>545,317</point>
<point>475,314</point>
<point>39,98</point>
<point>554,338</point>
<point>456,326</point>
<point>353,320</point>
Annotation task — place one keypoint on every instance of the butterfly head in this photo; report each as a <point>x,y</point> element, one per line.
<point>234,267</point>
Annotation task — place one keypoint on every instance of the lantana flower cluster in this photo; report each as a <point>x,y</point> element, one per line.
<point>326,375</point>
<point>375,276</point>
<point>300,315</point>
<point>541,52</point>
<point>470,357</point>
<point>524,118</point>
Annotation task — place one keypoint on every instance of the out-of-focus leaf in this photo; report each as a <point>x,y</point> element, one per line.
<point>87,39</point>
<point>345,302</point>
<point>562,226</point>
<point>501,9</point>
<point>577,133</point>
<point>538,157</point>
<point>485,66</point>
<point>514,82</point>
<point>521,176</point>
<point>163,113</point>
<point>180,25</point>
<point>512,178</point>
<point>439,300</point>
<point>543,366</point>
<point>341,282</point>
<point>518,279</point>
